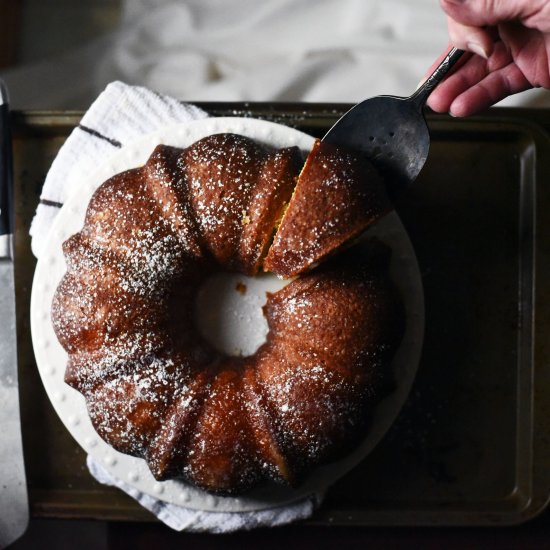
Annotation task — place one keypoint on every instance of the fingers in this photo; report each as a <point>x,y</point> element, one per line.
<point>474,39</point>
<point>471,73</point>
<point>530,50</point>
<point>480,81</point>
<point>512,50</point>
<point>494,87</point>
<point>480,13</point>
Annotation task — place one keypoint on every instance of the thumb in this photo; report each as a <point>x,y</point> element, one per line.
<point>481,13</point>
<point>473,39</point>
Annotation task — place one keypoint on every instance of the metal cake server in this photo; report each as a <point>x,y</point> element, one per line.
<point>391,130</point>
<point>14,506</point>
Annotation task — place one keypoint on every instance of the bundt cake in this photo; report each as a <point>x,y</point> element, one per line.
<point>124,312</point>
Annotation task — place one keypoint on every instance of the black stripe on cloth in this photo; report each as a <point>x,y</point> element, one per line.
<point>96,134</point>
<point>51,203</point>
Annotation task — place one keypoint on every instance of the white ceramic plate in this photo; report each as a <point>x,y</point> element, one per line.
<point>70,405</point>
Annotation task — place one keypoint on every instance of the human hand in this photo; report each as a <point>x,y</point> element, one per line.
<point>510,45</point>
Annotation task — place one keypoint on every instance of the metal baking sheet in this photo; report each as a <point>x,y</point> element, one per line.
<point>471,446</point>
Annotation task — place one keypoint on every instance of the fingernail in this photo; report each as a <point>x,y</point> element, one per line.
<point>478,49</point>
<point>454,112</point>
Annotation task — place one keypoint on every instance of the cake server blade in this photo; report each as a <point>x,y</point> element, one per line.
<point>392,131</point>
<point>14,507</point>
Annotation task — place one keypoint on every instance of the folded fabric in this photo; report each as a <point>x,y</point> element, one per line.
<point>120,115</point>
<point>185,519</point>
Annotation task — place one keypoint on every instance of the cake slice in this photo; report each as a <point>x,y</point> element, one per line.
<point>338,195</point>
<point>237,191</point>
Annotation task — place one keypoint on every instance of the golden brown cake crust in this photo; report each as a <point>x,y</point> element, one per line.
<point>237,190</point>
<point>153,386</point>
<point>338,195</point>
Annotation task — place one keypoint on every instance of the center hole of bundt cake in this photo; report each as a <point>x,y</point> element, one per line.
<point>229,311</point>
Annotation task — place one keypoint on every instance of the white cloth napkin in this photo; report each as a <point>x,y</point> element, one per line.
<point>119,115</point>
<point>185,519</point>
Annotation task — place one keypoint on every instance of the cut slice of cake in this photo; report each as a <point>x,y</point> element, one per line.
<point>338,195</point>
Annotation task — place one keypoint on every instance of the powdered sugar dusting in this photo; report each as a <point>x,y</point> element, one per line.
<point>155,388</point>
<point>338,195</point>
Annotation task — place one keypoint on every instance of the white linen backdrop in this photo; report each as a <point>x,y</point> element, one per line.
<point>250,50</point>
